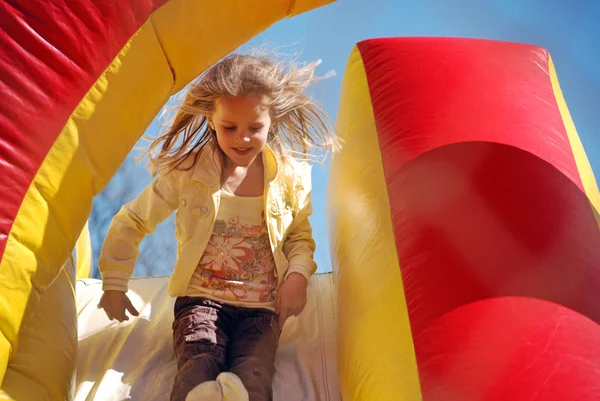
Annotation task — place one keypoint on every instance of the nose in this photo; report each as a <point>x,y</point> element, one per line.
<point>244,136</point>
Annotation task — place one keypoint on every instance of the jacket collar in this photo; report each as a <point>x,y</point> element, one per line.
<point>210,164</point>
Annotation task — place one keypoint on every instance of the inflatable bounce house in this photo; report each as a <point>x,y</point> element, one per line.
<point>462,213</point>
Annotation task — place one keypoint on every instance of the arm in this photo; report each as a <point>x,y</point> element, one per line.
<point>130,225</point>
<point>299,248</point>
<point>299,245</point>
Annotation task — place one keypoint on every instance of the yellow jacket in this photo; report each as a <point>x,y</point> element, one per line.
<point>195,195</point>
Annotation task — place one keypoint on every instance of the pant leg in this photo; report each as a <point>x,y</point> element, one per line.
<point>252,348</point>
<point>200,337</point>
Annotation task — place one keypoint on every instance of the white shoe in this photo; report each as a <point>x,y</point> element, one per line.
<point>232,387</point>
<point>207,391</point>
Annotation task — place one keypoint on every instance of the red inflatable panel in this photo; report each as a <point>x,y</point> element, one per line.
<point>485,196</point>
<point>479,220</point>
<point>49,58</point>
<point>517,349</point>
<point>430,92</point>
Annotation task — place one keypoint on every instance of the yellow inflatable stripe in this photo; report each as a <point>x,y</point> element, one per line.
<point>300,6</point>
<point>4,396</point>
<point>46,361</point>
<point>189,43</point>
<point>375,346</point>
<point>93,143</point>
<point>84,254</point>
<point>583,165</point>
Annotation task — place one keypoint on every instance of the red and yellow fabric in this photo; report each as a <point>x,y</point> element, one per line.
<point>463,227</point>
<point>81,80</point>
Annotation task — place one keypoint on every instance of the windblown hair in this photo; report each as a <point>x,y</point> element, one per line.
<point>299,128</point>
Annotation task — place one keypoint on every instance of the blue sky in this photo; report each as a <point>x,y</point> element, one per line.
<point>566,28</point>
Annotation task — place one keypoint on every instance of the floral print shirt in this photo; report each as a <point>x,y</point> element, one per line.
<point>237,266</point>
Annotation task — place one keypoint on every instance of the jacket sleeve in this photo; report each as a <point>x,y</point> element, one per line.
<point>299,245</point>
<point>130,225</point>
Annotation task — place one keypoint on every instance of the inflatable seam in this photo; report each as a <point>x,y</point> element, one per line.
<point>162,47</point>
<point>290,9</point>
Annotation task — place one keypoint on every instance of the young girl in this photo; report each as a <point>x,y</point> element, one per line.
<point>245,246</point>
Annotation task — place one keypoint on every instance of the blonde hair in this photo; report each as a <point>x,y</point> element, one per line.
<point>299,126</point>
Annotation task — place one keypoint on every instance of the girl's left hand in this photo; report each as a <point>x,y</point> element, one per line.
<point>291,297</point>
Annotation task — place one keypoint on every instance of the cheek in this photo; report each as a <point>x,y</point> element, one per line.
<point>261,137</point>
<point>223,138</point>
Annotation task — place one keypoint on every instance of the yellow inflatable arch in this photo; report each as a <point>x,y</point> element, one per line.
<point>83,82</point>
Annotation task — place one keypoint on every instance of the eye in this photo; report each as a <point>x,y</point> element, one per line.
<point>230,128</point>
<point>256,129</point>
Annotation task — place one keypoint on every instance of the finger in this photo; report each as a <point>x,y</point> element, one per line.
<point>123,315</point>
<point>131,308</point>
<point>120,318</point>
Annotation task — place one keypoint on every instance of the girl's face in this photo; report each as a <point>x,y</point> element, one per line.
<point>242,124</point>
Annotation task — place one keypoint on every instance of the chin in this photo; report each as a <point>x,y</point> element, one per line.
<point>242,161</point>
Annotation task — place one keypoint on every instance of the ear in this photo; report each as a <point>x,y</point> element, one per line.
<point>210,124</point>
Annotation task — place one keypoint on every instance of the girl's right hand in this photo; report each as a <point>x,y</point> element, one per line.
<point>115,304</point>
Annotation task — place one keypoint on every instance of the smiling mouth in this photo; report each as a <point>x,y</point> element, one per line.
<point>242,151</point>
